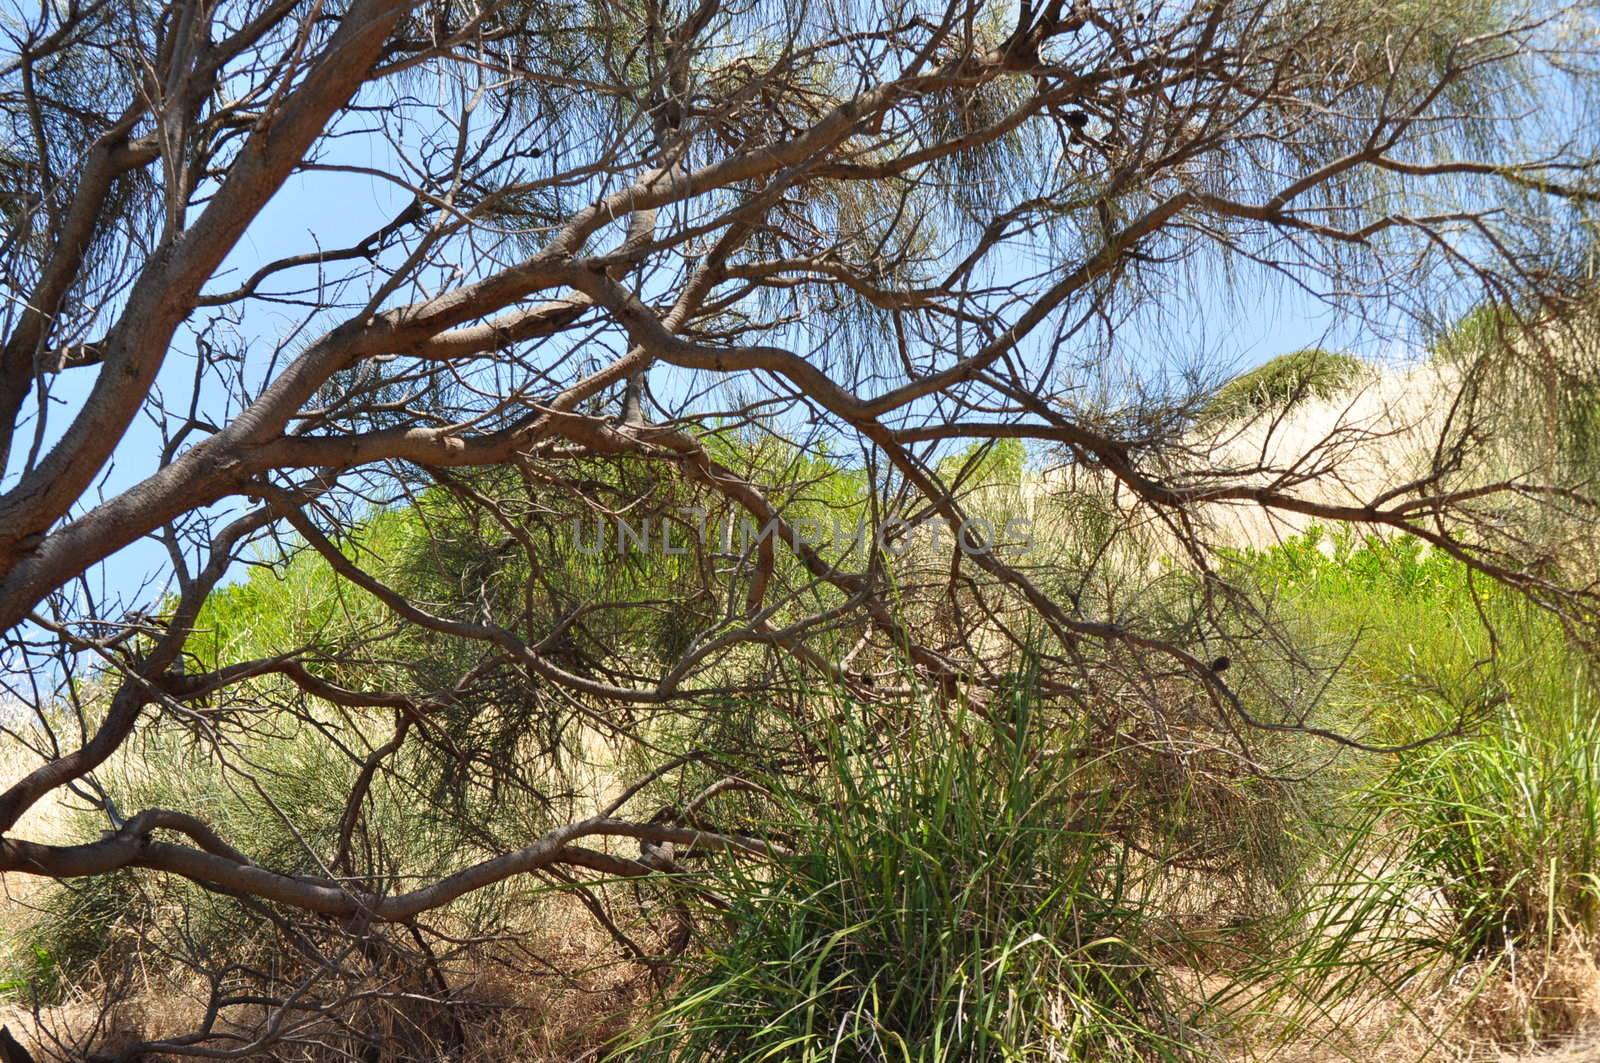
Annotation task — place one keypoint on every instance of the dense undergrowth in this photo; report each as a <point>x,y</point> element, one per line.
<point>960,890</point>
<point>998,884</point>
<point>1501,810</point>
<point>1025,876</point>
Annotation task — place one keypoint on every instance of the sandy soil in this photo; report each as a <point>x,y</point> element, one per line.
<point>1364,443</point>
<point>1346,450</point>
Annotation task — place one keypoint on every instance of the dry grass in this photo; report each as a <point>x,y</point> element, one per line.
<point>559,991</point>
<point>557,988</point>
<point>1522,1004</point>
<point>44,822</point>
<point>1517,1007</point>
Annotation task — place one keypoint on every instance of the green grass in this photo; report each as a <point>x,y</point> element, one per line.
<point>1500,816</point>
<point>958,893</point>
<point>1283,382</point>
<point>1507,823</point>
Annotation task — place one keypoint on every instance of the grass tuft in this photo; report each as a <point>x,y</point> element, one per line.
<point>959,894</point>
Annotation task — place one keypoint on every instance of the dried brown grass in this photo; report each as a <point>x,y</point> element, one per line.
<point>1528,1006</point>
<point>558,990</point>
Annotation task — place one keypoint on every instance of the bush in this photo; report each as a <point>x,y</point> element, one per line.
<point>957,892</point>
<point>1506,818</point>
<point>1284,382</point>
<point>1500,817</point>
<point>1507,821</point>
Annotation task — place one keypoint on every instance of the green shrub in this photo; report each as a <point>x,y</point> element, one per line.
<point>957,893</point>
<point>98,924</point>
<point>1284,382</point>
<point>69,934</point>
<point>1500,816</point>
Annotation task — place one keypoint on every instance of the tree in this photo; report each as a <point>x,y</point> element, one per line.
<point>771,263</point>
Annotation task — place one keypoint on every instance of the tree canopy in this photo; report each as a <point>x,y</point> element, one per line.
<point>750,276</point>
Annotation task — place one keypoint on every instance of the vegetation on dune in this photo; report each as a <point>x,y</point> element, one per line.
<point>975,887</point>
<point>1478,841</point>
<point>1283,382</point>
<point>1008,882</point>
<point>957,892</point>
